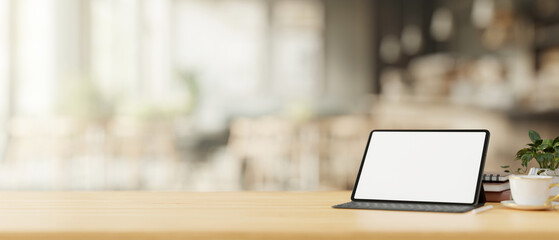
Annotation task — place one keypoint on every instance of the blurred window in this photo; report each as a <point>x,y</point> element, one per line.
<point>100,89</point>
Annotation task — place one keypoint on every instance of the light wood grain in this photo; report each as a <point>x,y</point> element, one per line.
<point>247,215</point>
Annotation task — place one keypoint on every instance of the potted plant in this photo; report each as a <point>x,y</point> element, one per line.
<point>545,152</point>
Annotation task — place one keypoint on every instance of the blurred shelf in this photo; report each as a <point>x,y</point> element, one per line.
<point>527,114</point>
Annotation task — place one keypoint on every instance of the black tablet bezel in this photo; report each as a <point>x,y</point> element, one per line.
<point>479,177</point>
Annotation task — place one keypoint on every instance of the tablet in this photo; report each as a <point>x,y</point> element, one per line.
<point>435,166</point>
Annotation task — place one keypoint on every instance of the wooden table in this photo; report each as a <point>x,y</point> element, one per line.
<point>247,215</point>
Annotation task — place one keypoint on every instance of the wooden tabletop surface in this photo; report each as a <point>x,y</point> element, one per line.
<point>247,215</point>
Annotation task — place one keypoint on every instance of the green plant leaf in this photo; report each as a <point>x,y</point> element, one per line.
<point>540,160</point>
<point>536,144</point>
<point>525,161</point>
<point>506,166</point>
<point>534,136</point>
<point>543,146</point>
<point>521,152</point>
<point>540,172</point>
<point>544,160</point>
<point>556,141</point>
<point>526,157</point>
<point>548,157</point>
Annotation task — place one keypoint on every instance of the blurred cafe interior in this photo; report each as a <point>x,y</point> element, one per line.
<point>227,95</point>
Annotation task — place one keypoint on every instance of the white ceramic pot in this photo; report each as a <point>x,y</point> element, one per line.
<point>547,172</point>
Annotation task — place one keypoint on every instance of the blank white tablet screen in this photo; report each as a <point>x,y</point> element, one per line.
<point>421,166</point>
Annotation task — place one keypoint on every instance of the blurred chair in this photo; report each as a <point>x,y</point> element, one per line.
<point>342,151</point>
<point>264,148</point>
<point>278,154</point>
<point>142,154</point>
